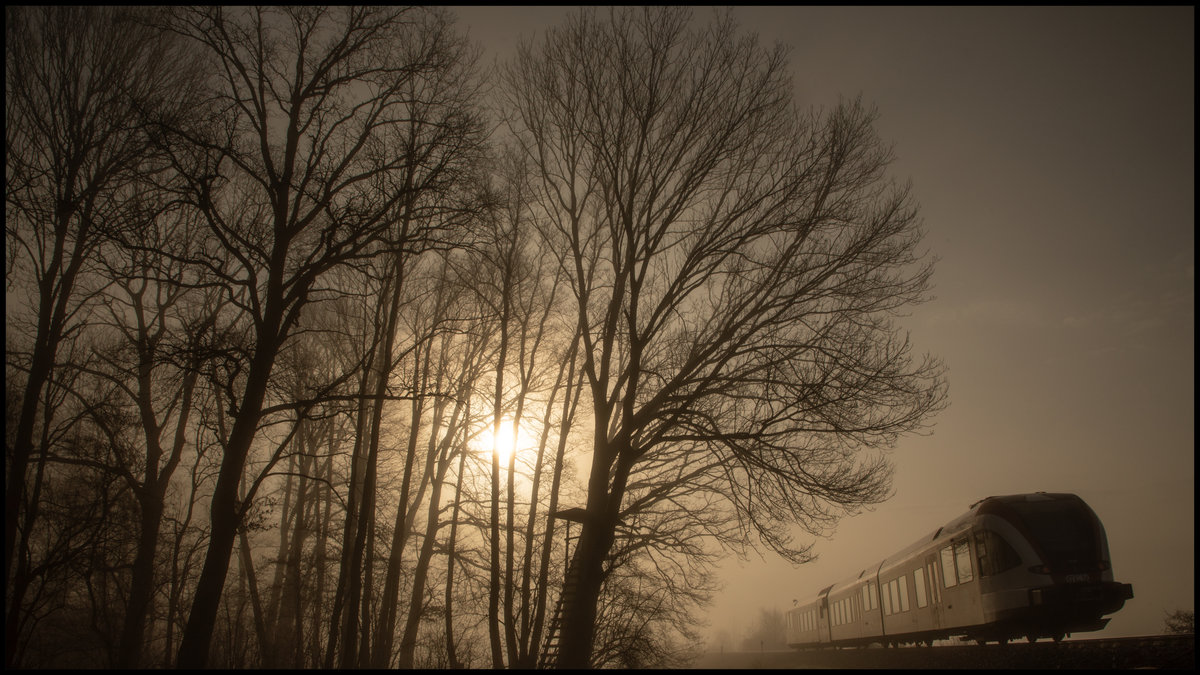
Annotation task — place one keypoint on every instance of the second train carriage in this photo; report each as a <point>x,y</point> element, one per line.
<point>1031,565</point>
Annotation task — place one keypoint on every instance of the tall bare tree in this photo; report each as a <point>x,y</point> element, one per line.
<point>79,85</point>
<point>737,265</point>
<point>298,174</point>
<point>162,332</point>
<point>83,87</point>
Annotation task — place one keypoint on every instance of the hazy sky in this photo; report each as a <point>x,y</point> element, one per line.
<point>1052,151</point>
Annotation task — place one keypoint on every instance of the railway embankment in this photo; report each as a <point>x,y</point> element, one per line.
<point>1177,652</point>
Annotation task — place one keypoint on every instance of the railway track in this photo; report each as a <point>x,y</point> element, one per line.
<point>1151,651</point>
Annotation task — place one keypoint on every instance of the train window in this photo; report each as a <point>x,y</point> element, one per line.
<point>949,578</point>
<point>994,553</point>
<point>887,599</point>
<point>894,593</point>
<point>919,587</point>
<point>962,554</point>
<point>902,582</point>
<point>866,596</point>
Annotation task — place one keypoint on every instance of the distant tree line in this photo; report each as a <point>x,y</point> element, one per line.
<point>1180,622</point>
<point>283,282</point>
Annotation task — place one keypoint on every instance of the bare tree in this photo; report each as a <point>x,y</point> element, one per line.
<point>461,357</point>
<point>297,174</point>
<point>737,266</point>
<point>80,83</point>
<point>83,89</point>
<point>161,331</point>
<point>769,632</point>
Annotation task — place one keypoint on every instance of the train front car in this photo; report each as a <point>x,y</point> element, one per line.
<point>1044,566</point>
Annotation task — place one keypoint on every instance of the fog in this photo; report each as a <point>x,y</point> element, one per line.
<point>1052,152</point>
<point>281,277</point>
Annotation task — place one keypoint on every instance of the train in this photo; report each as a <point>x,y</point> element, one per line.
<point>1018,566</point>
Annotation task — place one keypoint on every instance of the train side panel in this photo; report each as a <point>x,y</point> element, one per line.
<point>801,625</point>
<point>845,612</point>
<point>898,599</point>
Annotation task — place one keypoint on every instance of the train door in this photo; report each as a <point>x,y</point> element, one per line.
<point>961,604</point>
<point>823,621</point>
<point>935,588</point>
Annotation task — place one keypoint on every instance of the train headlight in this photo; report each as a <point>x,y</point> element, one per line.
<point>1102,565</point>
<point>1035,596</point>
<point>1040,569</point>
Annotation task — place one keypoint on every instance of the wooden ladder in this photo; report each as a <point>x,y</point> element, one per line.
<point>549,656</point>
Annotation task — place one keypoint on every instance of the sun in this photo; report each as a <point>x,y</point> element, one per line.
<point>500,442</point>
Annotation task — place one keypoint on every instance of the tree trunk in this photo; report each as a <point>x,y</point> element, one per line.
<point>451,656</point>
<point>356,568</point>
<point>197,635</point>
<point>247,560</point>
<point>318,561</point>
<point>595,541</point>
<point>408,642</point>
<point>532,633</point>
<point>391,587</point>
<point>141,583</point>
<point>494,570</point>
<point>510,622</point>
<point>286,638</point>
<point>357,469</point>
<point>288,513</point>
<point>151,497</point>
<point>579,614</point>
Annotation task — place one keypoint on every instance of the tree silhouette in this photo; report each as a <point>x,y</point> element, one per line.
<point>302,171</point>
<point>736,266</point>
<point>271,290</point>
<point>83,87</point>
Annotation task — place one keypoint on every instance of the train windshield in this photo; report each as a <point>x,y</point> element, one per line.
<point>1062,528</point>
